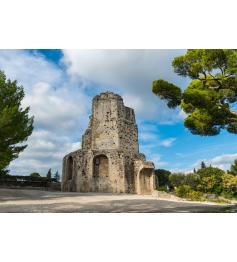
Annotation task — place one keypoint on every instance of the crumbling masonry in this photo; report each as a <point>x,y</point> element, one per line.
<point>109,160</point>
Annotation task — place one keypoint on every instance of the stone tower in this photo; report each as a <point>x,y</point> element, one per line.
<point>109,160</point>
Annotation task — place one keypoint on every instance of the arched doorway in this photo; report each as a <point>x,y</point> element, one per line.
<point>101,173</point>
<point>145,184</point>
<point>69,168</point>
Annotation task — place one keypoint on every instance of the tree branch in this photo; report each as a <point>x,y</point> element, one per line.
<point>222,72</point>
<point>215,79</point>
<point>233,112</point>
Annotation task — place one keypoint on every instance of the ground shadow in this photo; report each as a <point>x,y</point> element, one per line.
<point>87,203</point>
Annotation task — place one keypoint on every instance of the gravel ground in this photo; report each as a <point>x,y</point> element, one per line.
<point>37,201</point>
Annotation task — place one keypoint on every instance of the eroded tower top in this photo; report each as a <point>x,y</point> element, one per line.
<point>112,125</point>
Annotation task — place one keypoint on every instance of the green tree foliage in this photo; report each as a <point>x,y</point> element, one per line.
<point>171,93</point>
<point>162,176</point>
<point>210,180</point>
<point>203,165</point>
<point>186,191</point>
<point>230,184</point>
<point>209,98</point>
<point>57,176</point>
<point>183,190</point>
<point>205,182</point>
<point>233,168</point>
<point>15,124</point>
<point>35,174</point>
<point>4,172</point>
<point>49,174</point>
<point>192,180</point>
<point>177,179</point>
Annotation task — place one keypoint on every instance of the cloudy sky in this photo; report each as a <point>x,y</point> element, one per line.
<point>59,87</point>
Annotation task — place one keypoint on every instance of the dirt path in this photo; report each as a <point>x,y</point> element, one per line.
<point>30,201</point>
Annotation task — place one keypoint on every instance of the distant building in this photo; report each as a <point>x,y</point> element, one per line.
<point>109,160</point>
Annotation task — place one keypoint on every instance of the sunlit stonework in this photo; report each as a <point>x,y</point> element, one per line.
<point>109,160</point>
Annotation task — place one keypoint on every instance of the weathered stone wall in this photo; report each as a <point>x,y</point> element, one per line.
<point>128,133</point>
<point>105,122</point>
<point>108,160</point>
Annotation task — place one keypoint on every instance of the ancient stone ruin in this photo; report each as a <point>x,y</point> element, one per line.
<point>109,160</point>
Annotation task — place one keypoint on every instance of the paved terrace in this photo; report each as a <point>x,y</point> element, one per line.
<point>35,201</point>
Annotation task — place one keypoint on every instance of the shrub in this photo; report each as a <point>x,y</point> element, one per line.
<point>194,195</point>
<point>186,191</point>
<point>183,190</point>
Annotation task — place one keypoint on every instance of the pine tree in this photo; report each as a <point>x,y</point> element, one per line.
<point>49,174</point>
<point>209,98</point>
<point>203,165</point>
<point>233,168</point>
<point>15,124</point>
<point>57,176</point>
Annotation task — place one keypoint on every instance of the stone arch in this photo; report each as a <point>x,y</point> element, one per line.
<point>69,168</point>
<point>145,181</point>
<point>101,173</point>
<point>101,166</point>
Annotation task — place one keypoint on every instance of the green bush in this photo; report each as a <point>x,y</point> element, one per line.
<point>183,190</point>
<point>194,195</point>
<point>186,191</point>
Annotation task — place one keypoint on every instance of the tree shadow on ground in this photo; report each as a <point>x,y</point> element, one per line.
<point>116,206</point>
<point>12,194</point>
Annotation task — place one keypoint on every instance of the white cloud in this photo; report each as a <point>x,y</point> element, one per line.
<point>61,106</point>
<point>168,142</point>
<point>57,109</point>
<point>29,69</point>
<point>45,150</point>
<point>148,137</point>
<point>156,159</point>
<point>222,161</point>
<point>131,72</point>
<point>60,110</point>
<point>182,115</point>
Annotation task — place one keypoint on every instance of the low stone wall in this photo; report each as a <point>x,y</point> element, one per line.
<point>164,195</point>
<point>27,182</point>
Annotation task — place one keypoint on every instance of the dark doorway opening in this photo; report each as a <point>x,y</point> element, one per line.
<point>101,173</point>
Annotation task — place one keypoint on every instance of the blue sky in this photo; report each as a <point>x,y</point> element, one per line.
<point>59,87</point>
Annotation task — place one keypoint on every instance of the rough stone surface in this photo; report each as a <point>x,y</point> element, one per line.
<point>109,160</point>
